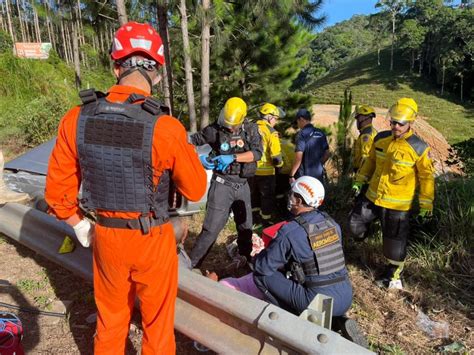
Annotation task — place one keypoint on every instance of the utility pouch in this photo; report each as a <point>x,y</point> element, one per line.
<point>297,273</point>
<point>248,170</point>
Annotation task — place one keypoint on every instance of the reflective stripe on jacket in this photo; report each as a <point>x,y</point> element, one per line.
<point>362,145</point>
<point>271,156</point>
<point>394,168</point>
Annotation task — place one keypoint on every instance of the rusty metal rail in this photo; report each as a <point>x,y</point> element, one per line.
<point>220,318</point>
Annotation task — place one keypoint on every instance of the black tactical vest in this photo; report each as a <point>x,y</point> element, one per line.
<point>114,142</point>
<point>326,245</point>
<point>228,143</point>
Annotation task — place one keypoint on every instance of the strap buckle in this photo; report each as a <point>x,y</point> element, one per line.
<point>223,181</point>
<point>144,221</point>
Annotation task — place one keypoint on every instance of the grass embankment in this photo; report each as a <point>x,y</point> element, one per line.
<point>377,86</point>
<point>34,94</point>
<point>438,272</point>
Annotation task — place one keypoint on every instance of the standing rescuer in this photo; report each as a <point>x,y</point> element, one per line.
<point>125,152</point>
<point>236,146</point>
<point>263,184</point>
<point>364,115</point>
<point>311,151</point>
<point>398,162</point>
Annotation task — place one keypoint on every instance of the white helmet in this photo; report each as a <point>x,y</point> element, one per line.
<point>310,189</point>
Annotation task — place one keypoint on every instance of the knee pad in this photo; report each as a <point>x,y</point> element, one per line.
<point>356,226</point>
<point>394,249</point>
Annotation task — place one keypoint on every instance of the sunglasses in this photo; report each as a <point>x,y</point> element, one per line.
<point>394,123</point>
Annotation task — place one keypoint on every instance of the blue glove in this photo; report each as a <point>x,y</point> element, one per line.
<point>206,162</point>
<point>223,161</point>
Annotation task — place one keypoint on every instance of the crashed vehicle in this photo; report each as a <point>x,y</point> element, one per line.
<point>27,173</point>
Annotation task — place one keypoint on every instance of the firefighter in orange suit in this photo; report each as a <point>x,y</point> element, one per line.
<point>125,150</point>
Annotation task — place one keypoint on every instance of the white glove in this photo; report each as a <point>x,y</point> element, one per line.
<point>85,232</point>
<point>257,245</point>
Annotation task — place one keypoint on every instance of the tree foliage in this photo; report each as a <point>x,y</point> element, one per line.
<point>435,37</point>
<point>257,49</point>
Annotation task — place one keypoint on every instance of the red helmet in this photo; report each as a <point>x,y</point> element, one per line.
<point>137,38</point>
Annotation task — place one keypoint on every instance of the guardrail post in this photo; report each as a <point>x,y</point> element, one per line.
<point>319,311</point>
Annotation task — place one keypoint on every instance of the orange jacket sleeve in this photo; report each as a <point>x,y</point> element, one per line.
<point>64,177</point>
<point>188,175</point>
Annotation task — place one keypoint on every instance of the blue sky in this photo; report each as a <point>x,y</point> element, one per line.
<point>340,10</point>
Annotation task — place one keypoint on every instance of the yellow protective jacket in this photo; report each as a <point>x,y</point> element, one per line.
<point>288,155</point>
<point>271,156</point>
<point>361,149</point>
<point>394,168</point>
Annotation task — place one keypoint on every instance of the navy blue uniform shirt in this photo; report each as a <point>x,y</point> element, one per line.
<point>313,143</point>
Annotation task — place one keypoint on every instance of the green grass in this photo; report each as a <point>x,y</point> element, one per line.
<point>34,94</point>
<point>377,86</point>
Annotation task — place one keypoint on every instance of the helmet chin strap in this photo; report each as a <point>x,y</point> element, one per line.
<point>142,71</point>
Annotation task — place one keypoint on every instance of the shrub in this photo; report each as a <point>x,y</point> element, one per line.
<point>39,120</point>
<point>443,247</point>
<point>6,43</point>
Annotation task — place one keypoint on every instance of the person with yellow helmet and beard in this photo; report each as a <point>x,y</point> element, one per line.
<point>398,162</point>
<point>263,183</point>
<point>236,147</point>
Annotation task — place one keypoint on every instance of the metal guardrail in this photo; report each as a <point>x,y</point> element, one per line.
<point>224,320</point>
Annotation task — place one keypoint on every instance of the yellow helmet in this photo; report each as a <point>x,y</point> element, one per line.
<point>233,113</point>
<point>269,109</point>
<point>364,110</point>
<point>408,102</point>
<point>405,110</point>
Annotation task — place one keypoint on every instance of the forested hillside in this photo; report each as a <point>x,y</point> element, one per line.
<point>431,38</point>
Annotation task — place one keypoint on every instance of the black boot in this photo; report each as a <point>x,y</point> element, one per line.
<point>350,330</point>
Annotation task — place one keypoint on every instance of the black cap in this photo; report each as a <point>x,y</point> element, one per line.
<point>304,113</point>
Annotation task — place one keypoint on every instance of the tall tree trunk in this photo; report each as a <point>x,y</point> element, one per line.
<point>122,12</point>
<point>77,62</point>
<point>378,56</point>
<point>36,23</point>
<point>20,20</point>
<point>69,43</point>
<point>162,8</point>
<point>27,26</point>
<point>412,64</point>
<point>393,40</point>
<point>462,87</point>
<point>420,62</point>
<point>9,20</point>
<point>443,72</point>
<point>48,28</point>
<point>205,58</point>
<point>188,69</point>
<point>2,21</point>
<point>101,40</point>
<point>82,36</point>
<point>64,42</point>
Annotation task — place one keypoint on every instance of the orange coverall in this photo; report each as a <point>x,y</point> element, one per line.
<point>126,262</point>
